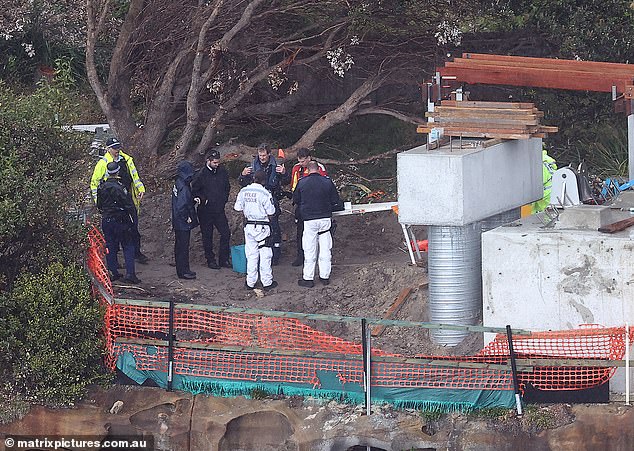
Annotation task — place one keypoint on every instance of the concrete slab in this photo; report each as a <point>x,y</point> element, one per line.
<point>464,182</point>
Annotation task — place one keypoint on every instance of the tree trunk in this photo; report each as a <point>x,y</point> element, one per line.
<point>339,114</point>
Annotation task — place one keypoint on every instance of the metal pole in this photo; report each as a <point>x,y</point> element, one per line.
<point>627,364</point>
<point>408,244</point>
<point>367,350</point>
<point>170,348</point>
<point>630,145</point>
<point>516,385</point>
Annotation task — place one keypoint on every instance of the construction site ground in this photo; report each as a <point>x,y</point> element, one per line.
<point>371,266</point>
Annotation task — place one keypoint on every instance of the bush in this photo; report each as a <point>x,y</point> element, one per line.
<point>50,349</point>
<point>37,160</point>
<point>49,330</point>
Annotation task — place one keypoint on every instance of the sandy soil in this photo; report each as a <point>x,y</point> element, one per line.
<point>370,267</point>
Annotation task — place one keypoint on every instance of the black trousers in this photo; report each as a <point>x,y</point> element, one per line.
<point>300,232</point>
<point>276,233</point>
<point>181,251</point>
<point>207,223</point>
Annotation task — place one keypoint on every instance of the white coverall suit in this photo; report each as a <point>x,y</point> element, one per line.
<point>257,204</point>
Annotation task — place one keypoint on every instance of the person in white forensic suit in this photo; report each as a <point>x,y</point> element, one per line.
<point>317,197</point>
<point>257,204</point>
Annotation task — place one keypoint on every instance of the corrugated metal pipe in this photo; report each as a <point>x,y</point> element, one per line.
<point>455,279</point>
<point>455,274</point>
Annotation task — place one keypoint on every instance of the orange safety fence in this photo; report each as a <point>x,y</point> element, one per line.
<point>191,326</point>
<point>200,333</point>
<point>589,342</point>
<point>96,263</point>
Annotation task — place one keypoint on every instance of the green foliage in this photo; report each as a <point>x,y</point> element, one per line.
<point>259,394</point>
<point>607,151</point>
<point>432,415</point>
<point>34,34</point>
<point>364,136</point>
<point>36,160</point>
<point>51,350</point>
<point>538,417</point>
<point>49,324</point>
<point>578,115</point>
<point>490,413</point>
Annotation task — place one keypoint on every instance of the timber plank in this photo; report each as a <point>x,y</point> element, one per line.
<point>487,121</point>
<point>541,78</point>
<point>396,306</point>
<point>485,104</point>
<point>617,226</point>
<point>617,71</point>
<point>551,62</point>
<point>392,310</point>
<point>483,110</point>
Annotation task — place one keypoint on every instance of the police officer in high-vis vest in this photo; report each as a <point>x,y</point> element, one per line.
<point>116,207</point>
<point>130,180</point>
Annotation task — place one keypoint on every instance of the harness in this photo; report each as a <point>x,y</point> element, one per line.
<point>266,223</point>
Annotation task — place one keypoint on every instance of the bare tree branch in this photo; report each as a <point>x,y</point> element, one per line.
<point>393,113</point>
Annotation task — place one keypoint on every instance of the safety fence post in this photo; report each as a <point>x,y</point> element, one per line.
<point>170,348</point>
<point>627,364</point>
<point>516,385</point>
<point>367,369</point>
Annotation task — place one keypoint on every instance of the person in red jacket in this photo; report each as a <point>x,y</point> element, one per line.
<point>300,169</point>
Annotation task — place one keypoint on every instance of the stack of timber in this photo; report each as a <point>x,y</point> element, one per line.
<point>502,120</point>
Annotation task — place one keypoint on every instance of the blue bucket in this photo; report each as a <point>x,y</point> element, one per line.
<point>239,259</point>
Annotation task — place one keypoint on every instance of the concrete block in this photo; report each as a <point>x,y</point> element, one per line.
<point>586,217</point>
<point>463,183</point>
<point>547,279</point>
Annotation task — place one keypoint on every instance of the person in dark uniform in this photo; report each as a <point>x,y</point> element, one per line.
<point>129,178</point>
<point>184,218</point>
<point>117,210</point>
<point>276,176</point>
<point>211,189</point>
<point>317,197</point>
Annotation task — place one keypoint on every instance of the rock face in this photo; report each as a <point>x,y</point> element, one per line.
<point>181,421</point>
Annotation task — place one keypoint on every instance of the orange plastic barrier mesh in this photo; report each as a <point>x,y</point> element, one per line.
<point>278,334</point>
<point>96,263</point>
<point>199,334</point>
<point>590,342</point>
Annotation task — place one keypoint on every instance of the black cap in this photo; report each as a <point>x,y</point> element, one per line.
<point>113,143</point>
<point>213,155</point>
<point>113,168</point>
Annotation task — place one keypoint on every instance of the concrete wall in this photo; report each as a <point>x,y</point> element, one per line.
<point>454,186</point>
<point>558,278</point>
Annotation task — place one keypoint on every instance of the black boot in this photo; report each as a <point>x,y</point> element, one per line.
<point>299,260</point>
<point>277,253</point>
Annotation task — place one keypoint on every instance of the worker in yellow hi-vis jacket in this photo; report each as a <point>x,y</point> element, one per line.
<point>549,167</point>
<point>130,180</point>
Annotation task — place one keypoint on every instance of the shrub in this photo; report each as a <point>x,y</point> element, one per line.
<point>50,336</point>
<point>37,160</point>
